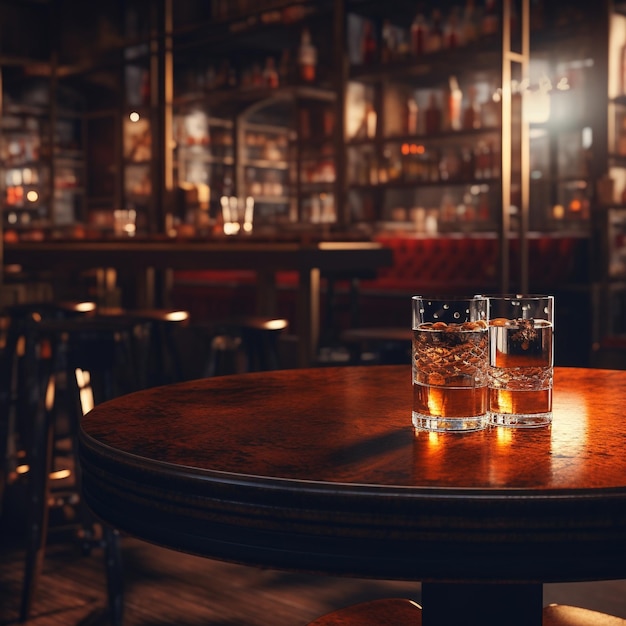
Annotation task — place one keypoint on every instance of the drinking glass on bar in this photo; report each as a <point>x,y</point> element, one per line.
<point>237,214</point>
<point>521,360</point>
<point>450,362</point>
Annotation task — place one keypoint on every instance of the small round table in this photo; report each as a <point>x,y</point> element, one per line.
<point>320,470</point>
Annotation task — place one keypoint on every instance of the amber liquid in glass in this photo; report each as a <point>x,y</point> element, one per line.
<point>449,370</point>
<point>449,401</point>
<point>520,369</point>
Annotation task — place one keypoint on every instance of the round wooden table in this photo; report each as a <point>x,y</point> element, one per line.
<point>320,470</point>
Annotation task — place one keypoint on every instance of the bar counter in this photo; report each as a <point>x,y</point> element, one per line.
<point>136,262</point>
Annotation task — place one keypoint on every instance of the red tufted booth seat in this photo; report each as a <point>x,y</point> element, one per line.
<point>438,265</point>
<point>466,265</point>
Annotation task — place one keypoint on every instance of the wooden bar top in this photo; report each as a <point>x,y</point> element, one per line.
<point>194,254</point>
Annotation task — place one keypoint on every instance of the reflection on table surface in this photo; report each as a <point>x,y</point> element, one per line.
<point>354,425</point>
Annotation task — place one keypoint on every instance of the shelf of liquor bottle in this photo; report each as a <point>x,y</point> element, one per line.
<point>270,129</point>
<point>249,18</point>
<point>194,110</point>
<point>138,163</point>
<point>97,204</point>
<point>75,159</point>
<point>435,136</point>
<point>576,180</point>
<point>264,164</point>
<point>617,159</point>
<point>431,67</point>
<point>243,96</point>
<point>271,200</point>
<point>423,184</point>
<point>34,165</point>
<point>316,186</point>
<point>69,115</point>
<point>22,218</point>
<point>67,186</point>
<point>209,159</point>
<point>29,208</point>
<point>24,110</point>
<point>313,145</point>
<point>108,58</point>
<point>267,11</point>
<point>138,197</point>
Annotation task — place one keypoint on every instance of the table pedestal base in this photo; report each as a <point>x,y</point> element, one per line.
<point>481,604</point>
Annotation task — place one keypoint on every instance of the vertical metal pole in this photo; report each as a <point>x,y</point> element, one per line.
<point>505,149</point>
<point>525,154</point>
<point>167,279</point>
<point>168,96</point>
<point>54,120</point>
<point>2,208</point>
<point>508,58</point>
<point>341,74</point>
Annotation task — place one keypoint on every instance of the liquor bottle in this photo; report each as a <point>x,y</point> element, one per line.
<point>412,116</point>
<point>491,112</point>
<point>453,31</point>
<point>285,68</point>
<point>469,33</point>
<point>621,138</point>
<point>307,57</point>
<point>467,168</point>
<point>389,48</point>
<point>491,20</point>
<point>270,75</point>
<point>471,113</point>
<point>433,115</point>
<point>622,74</point>
<point>418,35</point>
<point>455,99</point>
<point>435,32</point>
<point>368,44</point>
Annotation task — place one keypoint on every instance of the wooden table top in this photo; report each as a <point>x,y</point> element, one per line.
<point>286,468</point>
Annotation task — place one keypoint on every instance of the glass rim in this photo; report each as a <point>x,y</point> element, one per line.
<point>443,298</point>
<point>520,296</point>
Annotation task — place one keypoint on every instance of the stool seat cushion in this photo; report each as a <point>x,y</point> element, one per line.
<point>385,612</point>
<point>563,615</point>
<point>404,612</point>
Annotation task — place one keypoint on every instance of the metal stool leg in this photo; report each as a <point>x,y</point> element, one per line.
<point>114,574</point>
<point>38,493</point>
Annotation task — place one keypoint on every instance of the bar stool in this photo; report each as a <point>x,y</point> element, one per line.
<point>564,615</point>
<point>80,371</point>
<point>384,345</point>
<point>385,612</point>
<point>403,612</point>
<point>156,344</point>
<point>246,343</point>
<point>20,361</point>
